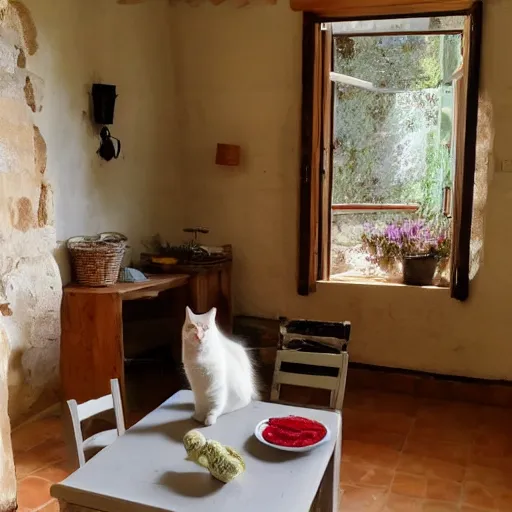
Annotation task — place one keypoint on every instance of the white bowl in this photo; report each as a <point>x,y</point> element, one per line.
<point>260,427</point>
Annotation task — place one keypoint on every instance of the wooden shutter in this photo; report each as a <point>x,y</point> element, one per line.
<point>311,153</point>
<point>360,8</point>
<point>466,101</point>
<point>326,177</point>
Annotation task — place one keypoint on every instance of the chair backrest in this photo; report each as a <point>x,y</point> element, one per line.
<point>336,385</point>
<point>81,412</point>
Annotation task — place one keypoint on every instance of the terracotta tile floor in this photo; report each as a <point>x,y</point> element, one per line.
<point>400,454</point>
<point>40,458</point>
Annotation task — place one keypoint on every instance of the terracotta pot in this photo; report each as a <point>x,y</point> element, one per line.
<point>419,270</point>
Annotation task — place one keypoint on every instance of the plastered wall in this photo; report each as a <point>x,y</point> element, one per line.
<point>239,82</point>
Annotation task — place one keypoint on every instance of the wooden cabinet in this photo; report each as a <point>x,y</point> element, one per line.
<point>212,288</point>
<point>210,284</point>
<point>92,350</point>
<point>92,347</point>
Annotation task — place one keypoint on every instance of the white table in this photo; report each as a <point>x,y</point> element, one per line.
<point>146,469</point>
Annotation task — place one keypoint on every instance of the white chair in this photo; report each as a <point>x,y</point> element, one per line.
<point>86,449</point>
<point>336,385</point>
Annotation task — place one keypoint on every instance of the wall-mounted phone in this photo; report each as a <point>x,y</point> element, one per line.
<point>104,102</point>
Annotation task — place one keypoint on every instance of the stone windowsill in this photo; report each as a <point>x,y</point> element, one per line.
<point>376,281</point>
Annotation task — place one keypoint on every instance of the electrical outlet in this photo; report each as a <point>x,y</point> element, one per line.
<point>506,166</point>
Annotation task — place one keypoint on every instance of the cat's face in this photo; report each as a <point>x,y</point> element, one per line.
<point>197,327</point>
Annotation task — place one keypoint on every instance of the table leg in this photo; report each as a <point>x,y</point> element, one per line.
<point>336,477</point>
<point>328,495</point>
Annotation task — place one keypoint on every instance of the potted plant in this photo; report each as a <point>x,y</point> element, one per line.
<point>419,269</point>
<point>381,246</point>
<point>418,245</point>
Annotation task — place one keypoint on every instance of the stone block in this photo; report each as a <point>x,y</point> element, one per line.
<point>40,151</point>
<point>7,473</point>
<point>33,89</point>
<point>33,287</point>
<point>10,36</point>
<point>16,148</point>
<point>14,110</point>
<point>18,18</point>
<point>45,212</point>
<point>16,136</point>
<point>22,214</point>
<point>12,85</point>
<point>32,244</point>
<point>18,211</point>
<point>23,86</point>
<point>34,290</point>
<point>8,56</point>
<point>5,309</point>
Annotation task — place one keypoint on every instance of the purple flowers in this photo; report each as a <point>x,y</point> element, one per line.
<point>409,237</point>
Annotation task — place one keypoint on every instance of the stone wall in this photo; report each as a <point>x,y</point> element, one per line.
<point>7,475</point>
<point>30,285</point>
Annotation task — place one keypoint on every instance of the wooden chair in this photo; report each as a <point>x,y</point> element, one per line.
<point>86,449</point>
<point>336,385</point>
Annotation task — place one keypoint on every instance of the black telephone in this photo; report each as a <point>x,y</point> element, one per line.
<point>108,149</point>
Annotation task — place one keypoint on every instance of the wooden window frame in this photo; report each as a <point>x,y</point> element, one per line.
<point>316,150</point>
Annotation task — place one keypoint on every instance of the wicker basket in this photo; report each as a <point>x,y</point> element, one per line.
<point>96,260</point>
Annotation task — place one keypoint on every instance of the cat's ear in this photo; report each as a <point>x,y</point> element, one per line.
<point>189,313</point>
<point>212,314</point>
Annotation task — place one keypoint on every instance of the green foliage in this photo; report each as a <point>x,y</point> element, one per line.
<point>409,62</point>
<point>390,147</point>
<point>360,115</point>
<point>430,182</point>
<point>430,75</point>
<point>354,181</point>
<point>452,56</point>
<point>438,174</point>
<point>446,126</point>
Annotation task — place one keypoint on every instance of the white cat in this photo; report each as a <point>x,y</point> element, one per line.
<point>219,370</point>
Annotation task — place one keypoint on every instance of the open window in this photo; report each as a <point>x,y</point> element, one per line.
<point>390,107</point>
